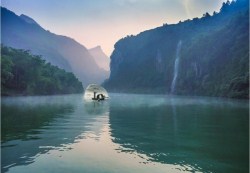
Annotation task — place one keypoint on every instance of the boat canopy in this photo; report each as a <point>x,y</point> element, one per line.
<point>95,92</point>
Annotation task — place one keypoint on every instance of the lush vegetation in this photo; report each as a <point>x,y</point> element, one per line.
<point>213,56</point>
<point>26,74</point>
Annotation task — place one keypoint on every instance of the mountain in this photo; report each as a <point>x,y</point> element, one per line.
<point>206,56</point>
<point>22,32</point>
<point>100,57</point>
<point>28,19</point>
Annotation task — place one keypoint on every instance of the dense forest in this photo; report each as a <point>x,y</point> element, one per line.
<point>26,74</point>
<point>213,57</point>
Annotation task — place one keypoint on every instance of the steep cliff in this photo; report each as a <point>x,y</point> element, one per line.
<point>211,60</point>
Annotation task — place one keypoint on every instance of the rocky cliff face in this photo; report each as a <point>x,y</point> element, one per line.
<point>22,32</point>
<point>213,59</point>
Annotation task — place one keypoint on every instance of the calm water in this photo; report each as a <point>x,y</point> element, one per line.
<point>127,134</point>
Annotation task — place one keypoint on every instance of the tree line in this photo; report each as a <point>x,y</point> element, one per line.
<point>25,74</point>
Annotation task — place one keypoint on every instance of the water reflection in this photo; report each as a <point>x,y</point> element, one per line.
<point>33,126</point>
<point>128,133</point>
<point>96,108</point>
<point>197,134</point>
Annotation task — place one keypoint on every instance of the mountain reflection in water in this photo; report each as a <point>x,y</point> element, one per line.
<point>128,133</point>
<point>205,134</point>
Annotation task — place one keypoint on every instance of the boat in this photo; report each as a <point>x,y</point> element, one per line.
<point>95,92</point>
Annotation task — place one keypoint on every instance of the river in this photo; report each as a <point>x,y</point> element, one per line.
<point>128,133</point>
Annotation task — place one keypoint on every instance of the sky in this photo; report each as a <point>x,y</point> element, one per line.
<point>104,22</point>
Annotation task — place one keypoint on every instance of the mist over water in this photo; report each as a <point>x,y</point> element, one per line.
<point>129,133</point>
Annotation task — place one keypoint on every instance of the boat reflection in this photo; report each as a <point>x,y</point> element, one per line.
<point>32,126</point>
<point>96,108</point>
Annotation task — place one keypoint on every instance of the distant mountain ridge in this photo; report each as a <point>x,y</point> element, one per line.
<point>28,19</point>
<point>22,32</point>
<point>212,59</point>
<point>100,57</point>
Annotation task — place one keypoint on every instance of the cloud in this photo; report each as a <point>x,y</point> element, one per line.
<point>187,8</point>
<point>195,8</point>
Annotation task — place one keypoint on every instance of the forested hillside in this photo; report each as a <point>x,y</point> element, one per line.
<point>203,56</point>
<point>26,74</point>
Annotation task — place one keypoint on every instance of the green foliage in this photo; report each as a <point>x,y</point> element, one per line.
<point>6,67</point>
<point>214,56</point>
<point>26,74</point>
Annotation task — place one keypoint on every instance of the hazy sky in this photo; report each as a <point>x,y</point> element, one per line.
<point>103,22</point>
